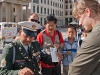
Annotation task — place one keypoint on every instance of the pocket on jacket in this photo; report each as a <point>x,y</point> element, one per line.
<point>18,64</point>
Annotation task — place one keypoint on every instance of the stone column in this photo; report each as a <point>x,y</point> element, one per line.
<point>1,12</point>
<point>4,11</point>
<point>21,12</point>
<point>26,11</point>
<point>12,13</point>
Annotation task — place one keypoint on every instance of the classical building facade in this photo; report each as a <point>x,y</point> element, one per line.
<point>45,7</point>
<point>68,11</point>
<point>12,10</point>
<point>19,10</point>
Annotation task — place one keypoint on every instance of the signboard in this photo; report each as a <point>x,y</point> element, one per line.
<point>9,32</point>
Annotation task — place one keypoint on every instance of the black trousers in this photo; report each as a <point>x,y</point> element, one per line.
<point>51,71</point>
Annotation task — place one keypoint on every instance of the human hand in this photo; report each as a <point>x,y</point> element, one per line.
<point>69,53</point>
<point>25,71</point>
<point>57,46</point>
<point>60,56</point>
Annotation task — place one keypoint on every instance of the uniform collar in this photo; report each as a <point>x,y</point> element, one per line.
<point>25,46</point>
<point>22,50</point>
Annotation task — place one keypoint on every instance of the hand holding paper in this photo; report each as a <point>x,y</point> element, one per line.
<point>60,56</point>
<point>54,54</point>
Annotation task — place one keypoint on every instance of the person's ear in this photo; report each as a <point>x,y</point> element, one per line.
<point>88,12</point>
<point>56,25</point>
<point>75,32</point>
<point>20,32</point>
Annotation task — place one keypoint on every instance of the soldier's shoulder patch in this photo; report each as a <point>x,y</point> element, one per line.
<point>3,63</point>
<point>10,45</point>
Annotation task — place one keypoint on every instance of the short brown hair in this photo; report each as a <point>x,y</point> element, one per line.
<point>81,5</point>
<point>34,14</point>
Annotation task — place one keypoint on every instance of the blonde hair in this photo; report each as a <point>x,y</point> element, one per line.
<point>81,5</point>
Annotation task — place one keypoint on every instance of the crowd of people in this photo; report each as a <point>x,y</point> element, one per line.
<point>30,53</point>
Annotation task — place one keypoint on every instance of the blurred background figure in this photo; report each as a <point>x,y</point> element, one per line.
<point>70,48</point>
<point>83,36</point>
<point>79,32</point>
<point>33,17</point>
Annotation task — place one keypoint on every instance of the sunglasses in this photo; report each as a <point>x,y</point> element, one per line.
<point>35,21</point>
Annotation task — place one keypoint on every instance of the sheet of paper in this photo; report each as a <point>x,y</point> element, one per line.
<point>54,54</point>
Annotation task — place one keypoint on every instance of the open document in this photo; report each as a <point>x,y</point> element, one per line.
<point>54,54</point>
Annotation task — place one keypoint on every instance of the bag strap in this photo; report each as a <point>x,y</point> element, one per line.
<point>14,51</point>
<point>58,34</point>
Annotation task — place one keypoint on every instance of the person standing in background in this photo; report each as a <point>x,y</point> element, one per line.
<point>33,17</point>
<point>79,32</point>
<point>50,37</point>
<point>70,48</point>
<point>83,36</point>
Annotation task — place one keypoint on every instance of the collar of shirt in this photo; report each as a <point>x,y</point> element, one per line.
<point>47,32</point>
<point>96,27</point>
<point>75,40</point>
<point>25,46</point>
<point>53,36</point>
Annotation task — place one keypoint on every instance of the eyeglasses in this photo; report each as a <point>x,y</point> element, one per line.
<point>35,21</point>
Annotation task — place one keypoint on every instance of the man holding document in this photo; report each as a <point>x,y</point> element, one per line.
<point>52,41</point>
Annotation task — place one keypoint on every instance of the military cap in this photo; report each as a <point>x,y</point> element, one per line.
<point>29,28</point>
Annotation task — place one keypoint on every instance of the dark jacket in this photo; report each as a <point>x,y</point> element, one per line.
<point>21,61</point>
